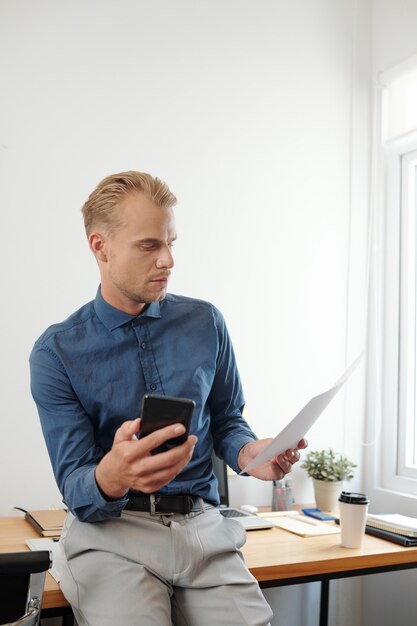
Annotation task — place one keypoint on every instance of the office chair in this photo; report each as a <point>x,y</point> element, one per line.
<point>22,580</point>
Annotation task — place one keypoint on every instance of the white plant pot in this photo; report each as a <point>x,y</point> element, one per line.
<point>327,494</point>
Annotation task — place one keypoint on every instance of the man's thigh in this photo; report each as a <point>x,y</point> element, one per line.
<point>228,605</point>
<point>217,587</point>
<point>104,579</point>
<point>112,590</point>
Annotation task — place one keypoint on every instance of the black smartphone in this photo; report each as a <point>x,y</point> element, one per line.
<point>159,411</point>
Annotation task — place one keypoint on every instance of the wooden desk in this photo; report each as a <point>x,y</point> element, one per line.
<point>275,557</point>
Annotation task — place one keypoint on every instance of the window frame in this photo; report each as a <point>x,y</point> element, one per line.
<point>396,474</point>
<point>407,346</point>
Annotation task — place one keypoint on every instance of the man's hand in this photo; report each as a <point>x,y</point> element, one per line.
<point>276,468</point>
<point>130,465</point>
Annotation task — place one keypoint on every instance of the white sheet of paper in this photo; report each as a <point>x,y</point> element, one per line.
<point>302,422</point>
<point>298,527</point>
<point>55,548</point>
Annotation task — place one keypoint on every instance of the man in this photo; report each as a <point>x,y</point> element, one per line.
<point>134,558</point>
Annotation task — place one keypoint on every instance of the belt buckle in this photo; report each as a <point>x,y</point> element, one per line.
<point>153,503</point>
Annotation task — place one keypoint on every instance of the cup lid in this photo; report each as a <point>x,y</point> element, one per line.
<point>351,497</point>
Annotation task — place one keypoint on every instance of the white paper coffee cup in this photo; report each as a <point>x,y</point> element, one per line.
<point>353,508</point>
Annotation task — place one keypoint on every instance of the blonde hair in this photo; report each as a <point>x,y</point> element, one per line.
<point>101,208</point>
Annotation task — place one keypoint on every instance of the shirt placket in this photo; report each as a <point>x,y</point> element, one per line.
<point>147,359</point>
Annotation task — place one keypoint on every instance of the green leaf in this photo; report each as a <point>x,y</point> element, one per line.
<point>328,465</point>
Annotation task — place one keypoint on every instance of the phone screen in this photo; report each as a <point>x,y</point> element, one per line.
<point>160,411</point>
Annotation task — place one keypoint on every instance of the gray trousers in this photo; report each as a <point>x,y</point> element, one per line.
<point>143,570</point>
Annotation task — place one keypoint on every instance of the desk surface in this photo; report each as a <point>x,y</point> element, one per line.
<point>272,555</point>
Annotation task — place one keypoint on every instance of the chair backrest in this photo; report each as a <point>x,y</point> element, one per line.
<point>22,579</point>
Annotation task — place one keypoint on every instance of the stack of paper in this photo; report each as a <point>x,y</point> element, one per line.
<point>394,523</point>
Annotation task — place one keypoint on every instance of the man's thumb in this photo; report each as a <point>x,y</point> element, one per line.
<point>127,431</point>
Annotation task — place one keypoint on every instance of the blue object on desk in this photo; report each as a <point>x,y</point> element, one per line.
<point>317,514</point>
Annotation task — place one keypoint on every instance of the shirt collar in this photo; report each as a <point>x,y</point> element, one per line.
<point>114,318</point>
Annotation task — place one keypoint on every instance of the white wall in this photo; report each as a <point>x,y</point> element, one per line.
<point>256,114</point>
<point>394,32</point>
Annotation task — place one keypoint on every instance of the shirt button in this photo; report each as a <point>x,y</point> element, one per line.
<point>143,345</point>
<point>153,386</point>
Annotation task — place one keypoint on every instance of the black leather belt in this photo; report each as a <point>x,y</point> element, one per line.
<point>159,504</point>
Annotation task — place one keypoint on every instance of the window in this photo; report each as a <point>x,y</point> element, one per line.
<point>407,413</point>
<point>398,379</point>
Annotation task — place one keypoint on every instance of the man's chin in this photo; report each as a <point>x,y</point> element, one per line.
<point>162,296</point>
<point>156,297</point>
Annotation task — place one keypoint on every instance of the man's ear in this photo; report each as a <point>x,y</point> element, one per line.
<point>98,246</point>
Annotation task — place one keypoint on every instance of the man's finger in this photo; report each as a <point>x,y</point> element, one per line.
<point>160,436</point>
<point>127,431</point>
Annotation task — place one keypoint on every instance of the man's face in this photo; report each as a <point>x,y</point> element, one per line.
<point>135,262</point>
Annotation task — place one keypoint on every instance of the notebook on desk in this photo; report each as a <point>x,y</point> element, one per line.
<point>248,521</point>
<point>46,522</point>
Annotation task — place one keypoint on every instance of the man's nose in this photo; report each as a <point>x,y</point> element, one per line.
<point>165,259</point>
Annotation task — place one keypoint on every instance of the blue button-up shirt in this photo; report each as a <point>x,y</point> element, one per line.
<point>89,374</point>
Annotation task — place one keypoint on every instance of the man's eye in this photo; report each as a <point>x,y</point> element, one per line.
<point>149,246</point>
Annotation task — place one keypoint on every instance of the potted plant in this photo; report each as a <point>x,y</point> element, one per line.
<point>328,470</point>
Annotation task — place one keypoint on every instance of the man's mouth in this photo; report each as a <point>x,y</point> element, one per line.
<point>160,279</point>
